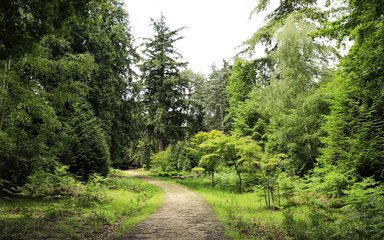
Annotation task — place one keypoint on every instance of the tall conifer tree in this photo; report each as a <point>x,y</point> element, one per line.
<point>164,88</point>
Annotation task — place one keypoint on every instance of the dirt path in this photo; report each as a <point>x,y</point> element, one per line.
<point>184,216</point>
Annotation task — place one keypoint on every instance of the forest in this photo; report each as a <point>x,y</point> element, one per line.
<point>294,138</point>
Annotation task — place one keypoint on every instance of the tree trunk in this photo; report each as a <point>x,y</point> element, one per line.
<point>240,180</point>
<point>213,179</point>
<point>161,144</point>
<point>309,145</point>
<point>278,194</point>
<point>272,190</point>
<point>4,92</point>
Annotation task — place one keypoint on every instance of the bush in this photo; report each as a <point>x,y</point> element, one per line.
<point>159,160</point>
<point>198,171</point>
<point>93,193</point>
<point>226,181</point>
<point>364,211</point>
<point>168,174</point>
<point>45,184</point>
<point>334,184</point>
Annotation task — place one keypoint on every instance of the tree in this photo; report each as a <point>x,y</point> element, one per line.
<point>290,102</point>
<point>195,101</point>
<point>67,55</point>
<point>24,22</point>
<point>105,33</point>
<point>211,157</point>
<point>355,127</point>
<point>215,98</point>
<point>62,79</point>
<point>244,115</point>
<point>164,89</point>
<point>26,132</point>
<point>86,151</point>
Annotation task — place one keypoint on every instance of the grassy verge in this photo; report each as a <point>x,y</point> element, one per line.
<point>79,218</point>
<point>244,215</point>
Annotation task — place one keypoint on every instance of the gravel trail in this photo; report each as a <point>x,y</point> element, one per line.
<point>183,216</point>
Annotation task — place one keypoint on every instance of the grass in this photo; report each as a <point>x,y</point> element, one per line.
<point>68,218</point>
<point>244,215</point>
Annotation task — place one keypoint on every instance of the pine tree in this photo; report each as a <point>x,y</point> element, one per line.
<point>215,97</point>
<point>164,88</point>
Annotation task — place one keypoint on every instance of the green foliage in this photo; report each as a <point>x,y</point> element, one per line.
<point>86,151</point>
<point>125,201</point>
<point>104,32</point>
<point>159,160</point>
<point>283,107</point>
<point>364,209</point>
<point>195,101</point>
<point>209,151</point>
<point>164,90</point>
<point>64,85</point>
<point>355,125</point>
<point>27,21</point>
<point>27,122</point>
<point>197,171</point>
<point>167,160</point>
<point>94,193</point>
<point>227,180</point>
<point>57,184</point>
<point>215,100</point>
<point>358,218</point>
<point>334,184</point>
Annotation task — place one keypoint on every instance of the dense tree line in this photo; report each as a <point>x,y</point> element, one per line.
<point>66,87</point>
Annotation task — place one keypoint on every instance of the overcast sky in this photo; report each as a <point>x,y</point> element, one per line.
<point>214,28</point>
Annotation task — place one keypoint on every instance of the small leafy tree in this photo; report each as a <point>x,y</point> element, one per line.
<point>211,158</point>
<point>248,156</point>
<point>210,162</point>
<point>270,169</point>
<point>159,160</point>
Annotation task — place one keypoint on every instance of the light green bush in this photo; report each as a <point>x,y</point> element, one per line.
<point>45,184</point>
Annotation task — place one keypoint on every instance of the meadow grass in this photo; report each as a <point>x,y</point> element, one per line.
<point>67,218</point>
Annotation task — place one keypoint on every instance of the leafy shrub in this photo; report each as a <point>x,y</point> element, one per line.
<point>92,195</point>
<point>168,174</point>
<point>45,184</point>
<point>364,211</point>
<point>359,218</point>
<point>334,183</point>
<point>197,171</point>
<point>159,160</point>
<point>286,188</point>
<point>226,181</point>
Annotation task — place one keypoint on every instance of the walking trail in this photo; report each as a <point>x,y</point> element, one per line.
<point>184,216</point>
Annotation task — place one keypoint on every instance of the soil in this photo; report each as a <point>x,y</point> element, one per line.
<point>183,216</point>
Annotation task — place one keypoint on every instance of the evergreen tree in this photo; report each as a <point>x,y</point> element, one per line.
<point>215,98</point>
<point>164,88</point>
<point>195,101</point>
<point>295,64</point>
<point>355,141</point>
<point>105,33</point>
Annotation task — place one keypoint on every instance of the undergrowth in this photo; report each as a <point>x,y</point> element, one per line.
<point>306,214</point>
<point>56,206</point>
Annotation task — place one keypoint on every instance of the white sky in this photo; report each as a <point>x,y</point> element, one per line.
<point>214,28</point>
